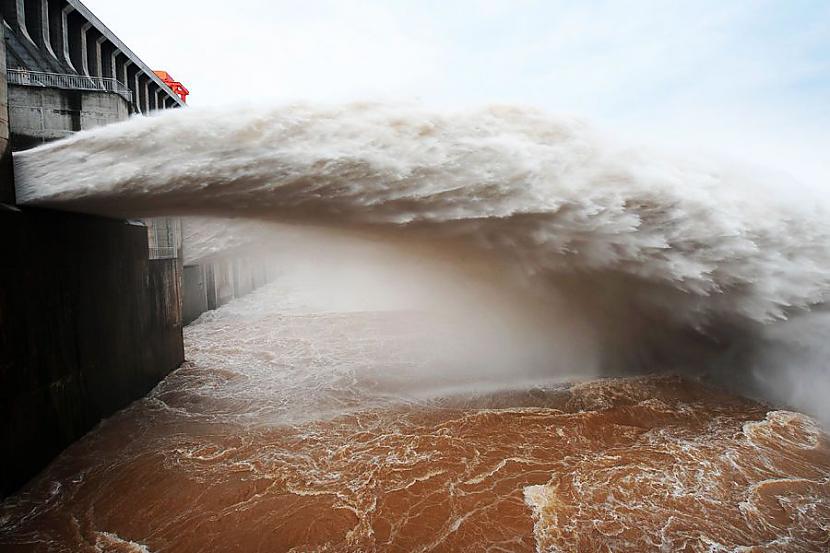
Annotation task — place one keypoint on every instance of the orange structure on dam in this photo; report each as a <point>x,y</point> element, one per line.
<point>174,85</point>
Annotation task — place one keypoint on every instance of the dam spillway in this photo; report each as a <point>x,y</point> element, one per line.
<point>491,329</point>
<point>91,308</point>
<point>89,321</point>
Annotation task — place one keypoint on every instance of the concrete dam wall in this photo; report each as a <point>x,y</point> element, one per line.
<point>212,284</point>
<point>40,115</point>
<point>87,324</point>
<point>91,308</point>
<point>6,178</point>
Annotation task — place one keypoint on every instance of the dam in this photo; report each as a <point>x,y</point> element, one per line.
<point>92,307</point>
<point>379,326</point>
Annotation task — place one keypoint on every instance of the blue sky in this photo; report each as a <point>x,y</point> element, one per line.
<point>748,78</point>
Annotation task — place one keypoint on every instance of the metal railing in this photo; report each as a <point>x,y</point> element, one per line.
<point>166,252</point>
<point>25,77</point>
<point>164,237</point>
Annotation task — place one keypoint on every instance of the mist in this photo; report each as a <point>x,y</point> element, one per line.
<point>475,326</point>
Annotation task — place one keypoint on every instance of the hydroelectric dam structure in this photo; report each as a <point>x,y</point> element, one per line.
<point>91,308</point>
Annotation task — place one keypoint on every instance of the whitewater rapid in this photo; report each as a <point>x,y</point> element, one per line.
<point>665,255</point>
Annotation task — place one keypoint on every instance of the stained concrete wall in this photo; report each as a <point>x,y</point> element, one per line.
<point>6,179</point>
<point>40,115</point>
<point>87,324</point>
<point>195,297</point>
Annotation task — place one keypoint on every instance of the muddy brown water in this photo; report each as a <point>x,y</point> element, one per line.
<point>284,432</point>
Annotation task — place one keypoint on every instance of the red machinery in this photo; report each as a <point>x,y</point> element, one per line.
<point>174,85</point>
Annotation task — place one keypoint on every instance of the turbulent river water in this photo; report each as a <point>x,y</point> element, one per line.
<point>292,428</point>
<point>491,422</point>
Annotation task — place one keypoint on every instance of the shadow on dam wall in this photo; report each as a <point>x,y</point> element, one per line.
<point>87,325</point>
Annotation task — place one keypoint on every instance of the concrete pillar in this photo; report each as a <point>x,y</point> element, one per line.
<point>130,76</point>
<point>108,53</point>
<point>101,61</point>
<point>75,34</point>
<point>121,66</point>
<point>6,175</point>
<point>145,94</point>
<point>9,12</point>
<point>31,21</point>
<point>93,51</point>
<point>85,48</point>
<point>45,31</point>
<point>55,18</point>
<point>138,100</point>
<point>20,19</point>
<point>67,50</point>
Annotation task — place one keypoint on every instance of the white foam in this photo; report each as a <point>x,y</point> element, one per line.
<point>647,247</point>
<point>550,194</point>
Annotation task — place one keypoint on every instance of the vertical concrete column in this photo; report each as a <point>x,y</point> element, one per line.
<point>136,84</point>
<point>145,95</point>
<point>85,49</point>
<point>130,79</point>
<point>20,13</point>
<point>67,43</point>
<point>140,92</point>
<point>45,31</point>
<point>107,58</point>
<point>123,74</point>
<point>101,65</point>
<point>6,175</point>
